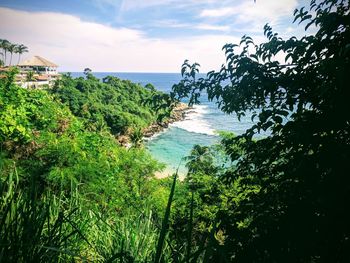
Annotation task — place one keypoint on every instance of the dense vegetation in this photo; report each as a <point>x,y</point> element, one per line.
<point>69,192</point>
<point>114,104</point>
<point>286,197</point>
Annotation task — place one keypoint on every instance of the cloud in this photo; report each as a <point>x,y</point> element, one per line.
<point>75,44</point>
<point>212,27</point>
<point>218,12</point>
<point>139,4</point>
<point>172,23</point>
<point>263,11</point>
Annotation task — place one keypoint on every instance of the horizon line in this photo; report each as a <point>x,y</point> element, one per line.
<point>142,72</point>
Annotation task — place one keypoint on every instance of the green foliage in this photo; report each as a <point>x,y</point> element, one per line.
<point>73,194</point>
<point>285,198</point>
<point>136,137</point>
<point>165,223</point>
<point>116,104</point>
<point>69,192</point>
<point>30,76</point>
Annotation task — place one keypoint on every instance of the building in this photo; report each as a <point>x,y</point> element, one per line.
<point>39,65</point>
<point>37,71</point>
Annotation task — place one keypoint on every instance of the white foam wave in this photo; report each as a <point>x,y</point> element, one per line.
<point>194,121</point>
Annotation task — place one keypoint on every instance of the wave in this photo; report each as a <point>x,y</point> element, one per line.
<point>194,121</point>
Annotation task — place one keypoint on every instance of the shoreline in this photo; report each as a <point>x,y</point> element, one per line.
<point>178,114</point>
<point>168,172</point>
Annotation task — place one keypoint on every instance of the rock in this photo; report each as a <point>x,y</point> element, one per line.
<point>178,114</point>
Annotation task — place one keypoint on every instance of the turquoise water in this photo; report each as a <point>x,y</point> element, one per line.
<point>172,145</point>
<point>200,126</point>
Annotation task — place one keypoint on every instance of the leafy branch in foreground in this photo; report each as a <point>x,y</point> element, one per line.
<point>284,191</point>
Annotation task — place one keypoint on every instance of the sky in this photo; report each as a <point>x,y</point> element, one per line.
<point>140,35</point>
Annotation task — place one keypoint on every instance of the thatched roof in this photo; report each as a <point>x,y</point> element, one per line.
<point>37,61</point>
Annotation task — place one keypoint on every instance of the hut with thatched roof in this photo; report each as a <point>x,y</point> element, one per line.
<point>37,71</point>
<point>39,65</point>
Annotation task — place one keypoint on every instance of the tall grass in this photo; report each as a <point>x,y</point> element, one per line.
<point>165,223</point>
<point>38,226</point>
<point>131,238</point>
<point>29,230</point>
<point>41,227</point>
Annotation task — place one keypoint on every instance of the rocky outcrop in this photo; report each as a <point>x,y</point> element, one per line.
<point>178,114</point>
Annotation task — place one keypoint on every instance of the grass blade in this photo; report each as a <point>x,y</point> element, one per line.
<point>165,223</point>
<point>190,227</point>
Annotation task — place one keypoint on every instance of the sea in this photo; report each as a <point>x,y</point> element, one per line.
<point>201,125</point>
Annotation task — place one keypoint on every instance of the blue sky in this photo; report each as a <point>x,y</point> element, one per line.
<point>139,35</point>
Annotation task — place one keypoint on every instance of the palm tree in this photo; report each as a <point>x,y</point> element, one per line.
<point>20,49</point>
<point>2,63</point>
<point>1,47</point>
<point>30,76</point>
<point>4,44</point>
<point>200,159</point>
<point>11,49</point>
<point>87,71</point>
<point>136,138</point>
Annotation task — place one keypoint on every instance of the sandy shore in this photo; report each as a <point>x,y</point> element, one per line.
<point>178,114</point>
<point>167,172</point>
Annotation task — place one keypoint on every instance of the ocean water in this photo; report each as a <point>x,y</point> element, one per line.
<point>201,125</point>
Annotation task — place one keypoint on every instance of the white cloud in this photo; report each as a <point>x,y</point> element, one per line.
<point>263,11</point>
<point>138,4</point>
<point>171,23</point>
<point>75,44</point>
<point>218,12</point>
<point>132,4</point>
<point>212,27</point>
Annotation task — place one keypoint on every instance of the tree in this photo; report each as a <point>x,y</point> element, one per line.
<point>200,160</point>
<point>30,76</point>
<point>12,49</point>
<point>20,49</point>
<point>51,167</point>
<point>299,212</point>
<point>136,137</point>
<point>87,71</point>
<point>4,45</point>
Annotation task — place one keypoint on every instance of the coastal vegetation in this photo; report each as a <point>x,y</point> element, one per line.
<point>116,105</point>
<point>66,181</point>
<point>71,193</point>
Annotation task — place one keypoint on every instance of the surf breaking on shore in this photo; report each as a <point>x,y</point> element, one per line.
<point>191,119</point>
<point>180,136</point>
<point>178,114</point>
<point>195,122</point>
